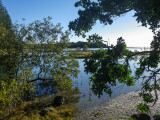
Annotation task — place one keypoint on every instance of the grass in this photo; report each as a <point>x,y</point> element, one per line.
<point>81,54</point>
<point>35,110</point>
<point>84,54</point>
<point>32,111</point>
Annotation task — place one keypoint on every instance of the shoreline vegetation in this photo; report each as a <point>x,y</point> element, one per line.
<point>97,113</point>
<point>84,54</point>
<point>37,67</point>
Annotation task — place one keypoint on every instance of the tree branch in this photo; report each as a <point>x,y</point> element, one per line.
<point>138,53</point>
<point>42,79</point>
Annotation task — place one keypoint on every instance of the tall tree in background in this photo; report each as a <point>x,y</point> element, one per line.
<point>104,64</point>
<point>11,89</point>
<point>4,17</point>
<point>8,42</point>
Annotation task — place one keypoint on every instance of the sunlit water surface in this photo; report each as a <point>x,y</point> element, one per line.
<point>88,99</point>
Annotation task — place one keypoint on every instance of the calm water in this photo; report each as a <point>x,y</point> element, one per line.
<point>88,99</point>
<point>129,48</point>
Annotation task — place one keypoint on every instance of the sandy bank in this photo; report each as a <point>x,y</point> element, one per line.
<point>119,108</point>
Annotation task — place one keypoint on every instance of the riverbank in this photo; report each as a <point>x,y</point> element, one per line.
<point>82,54</point>
<point>119,108</point>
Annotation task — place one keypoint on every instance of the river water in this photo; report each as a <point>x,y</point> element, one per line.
<point>129,48</point>
<point>88,99</point>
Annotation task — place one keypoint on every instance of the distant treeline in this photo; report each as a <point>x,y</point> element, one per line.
<point>81,45</point>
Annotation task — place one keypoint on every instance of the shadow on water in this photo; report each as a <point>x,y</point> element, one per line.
<point>89,99</point>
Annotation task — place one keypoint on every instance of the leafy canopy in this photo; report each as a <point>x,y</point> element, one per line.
<point>106,65</point>
<point>147,12</point>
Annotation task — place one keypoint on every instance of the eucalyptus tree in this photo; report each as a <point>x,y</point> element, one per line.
<point>104,64</point>
<point>44,52</point>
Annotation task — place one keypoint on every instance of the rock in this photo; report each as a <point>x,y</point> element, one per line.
<point>156,117</point>
<point>141,117</point>
<point>58,100</point>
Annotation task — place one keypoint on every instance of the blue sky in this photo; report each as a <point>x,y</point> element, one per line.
<point>63,11</point>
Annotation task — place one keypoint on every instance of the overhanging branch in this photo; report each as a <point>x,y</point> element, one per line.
<point>41,79</point>
<point>139,53</point>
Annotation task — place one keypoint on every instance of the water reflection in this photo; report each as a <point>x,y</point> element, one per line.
<point>88,99</point>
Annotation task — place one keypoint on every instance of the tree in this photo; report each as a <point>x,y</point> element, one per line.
<point>4,17</point>
<point>85,48</point>
<point>33,62</point>
<point>11,87</point>
<point>40,50</point>
<point>41,66</point>
<point>7,40</point>
<point>104,64</point>
<point>44,49</point>
<point>146,12</point>
<point>89,44</point>
<point>96,40</point>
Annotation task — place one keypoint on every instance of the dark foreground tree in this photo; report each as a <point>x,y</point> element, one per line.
<point>113,64</point>
<point>146,12</point>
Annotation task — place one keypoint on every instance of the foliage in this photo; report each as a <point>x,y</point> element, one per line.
<point>146,12</point>
<point>144,108</point>
<point>43,44</point>
<point>12,93</point>
<point>85,48</point>
<point>130,118</point>
<point>95,39</point>
<point>32,61</point>
<point>32,110</point>
<point>12,88</point>
<point>106,68</point>
<point>81,44</point>
<point>4,17</point>
<point>8,45</point>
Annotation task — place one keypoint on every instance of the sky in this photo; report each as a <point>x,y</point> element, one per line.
<point>63,11</point>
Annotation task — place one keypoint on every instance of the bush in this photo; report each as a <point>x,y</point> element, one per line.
<point>12,92</point>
